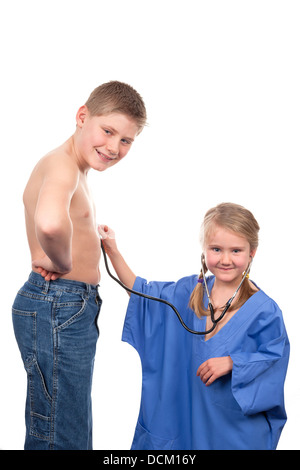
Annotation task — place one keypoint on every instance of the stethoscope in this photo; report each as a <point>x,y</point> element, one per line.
<point>214,320</point>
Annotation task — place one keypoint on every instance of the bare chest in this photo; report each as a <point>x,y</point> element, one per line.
<point>82,208</point>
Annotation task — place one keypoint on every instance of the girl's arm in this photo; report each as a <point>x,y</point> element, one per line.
<point>121,268</point>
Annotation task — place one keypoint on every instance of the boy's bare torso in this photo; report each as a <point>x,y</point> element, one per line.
<point>85,240</point>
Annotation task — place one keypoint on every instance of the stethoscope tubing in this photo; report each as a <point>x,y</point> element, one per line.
<point>157,299</point>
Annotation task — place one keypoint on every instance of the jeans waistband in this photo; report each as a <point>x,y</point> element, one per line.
<point>67,285</point>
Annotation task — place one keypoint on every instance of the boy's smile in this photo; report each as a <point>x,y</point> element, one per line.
<point>105,158</point>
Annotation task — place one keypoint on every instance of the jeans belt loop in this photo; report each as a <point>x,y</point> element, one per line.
<point>46,287</point>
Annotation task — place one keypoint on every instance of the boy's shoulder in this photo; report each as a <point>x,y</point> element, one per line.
<point>58,163</point>
<point>57,170</point>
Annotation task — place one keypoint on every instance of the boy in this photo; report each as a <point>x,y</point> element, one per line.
<point>55,313</point>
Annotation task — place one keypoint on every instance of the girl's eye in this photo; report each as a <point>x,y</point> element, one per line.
<point>216,250</point>
<point>107,131</point>
<point>124,141</point>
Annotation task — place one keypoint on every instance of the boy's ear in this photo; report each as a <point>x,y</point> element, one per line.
<point>81,115</point>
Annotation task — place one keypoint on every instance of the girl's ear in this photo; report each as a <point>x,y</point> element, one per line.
<point>252,252</point>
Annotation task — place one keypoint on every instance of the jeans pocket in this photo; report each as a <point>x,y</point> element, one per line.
<point>24,324</point>
<point>38,403</point>
<point>66,313</point>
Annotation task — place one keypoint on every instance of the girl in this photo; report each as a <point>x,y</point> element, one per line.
<point>224,389</point>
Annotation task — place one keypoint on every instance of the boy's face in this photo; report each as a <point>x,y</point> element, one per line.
<point>102,141</point>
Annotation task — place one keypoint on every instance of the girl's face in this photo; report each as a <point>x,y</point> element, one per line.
<point>227,255</point>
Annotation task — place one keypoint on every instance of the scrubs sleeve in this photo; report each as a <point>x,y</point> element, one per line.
<point>147,322</point>
<point>144,317</point>
<point>260,365</point>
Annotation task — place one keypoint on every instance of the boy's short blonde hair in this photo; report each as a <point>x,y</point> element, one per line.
<point>117,97</point>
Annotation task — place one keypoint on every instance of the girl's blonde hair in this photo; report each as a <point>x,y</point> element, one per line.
<point>237,219</point>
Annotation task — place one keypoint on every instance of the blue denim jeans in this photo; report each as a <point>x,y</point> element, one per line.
<point>55,325</point>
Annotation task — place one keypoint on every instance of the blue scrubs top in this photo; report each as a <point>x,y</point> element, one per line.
<point>241,410</point>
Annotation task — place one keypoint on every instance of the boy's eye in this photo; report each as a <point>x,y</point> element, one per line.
<point>107,131</point>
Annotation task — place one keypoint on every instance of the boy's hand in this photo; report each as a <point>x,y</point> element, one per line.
<point>45,268</point>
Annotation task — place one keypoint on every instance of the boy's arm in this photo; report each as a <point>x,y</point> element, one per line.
<point>121,268</point>
<point>53,224</point>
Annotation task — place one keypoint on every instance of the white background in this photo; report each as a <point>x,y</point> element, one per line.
<point>220,80</point>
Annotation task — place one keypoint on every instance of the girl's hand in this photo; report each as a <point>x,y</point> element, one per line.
<point>214,368</point>
<point>108,238</point>
<point>122,269</point>
<point>106,232</point>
